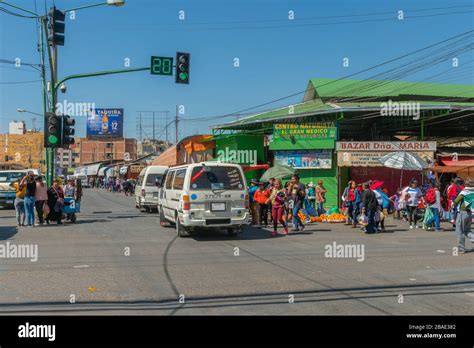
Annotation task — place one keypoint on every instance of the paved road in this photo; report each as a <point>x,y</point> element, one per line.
<point>88,260</point>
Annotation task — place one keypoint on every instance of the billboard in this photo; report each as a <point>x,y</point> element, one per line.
<point>305,159</point>
<point>105,123</point>
<point>294,136</point>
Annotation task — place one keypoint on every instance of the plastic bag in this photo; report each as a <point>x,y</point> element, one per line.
<point>363,220</point>
<point>46,210</point>
<point>428,216</point>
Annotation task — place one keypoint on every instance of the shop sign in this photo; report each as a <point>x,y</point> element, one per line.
<point>305,159</point>
<point>136,168</point>
<point>292,136</point>
<point>389,146</point>
<point>371,158</point>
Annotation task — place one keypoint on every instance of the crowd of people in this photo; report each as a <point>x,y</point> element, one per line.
<point>36,203</point>
<point>277,202</point>
<point>424,207</point>
<point>114,184</point>
<point>365,205</point>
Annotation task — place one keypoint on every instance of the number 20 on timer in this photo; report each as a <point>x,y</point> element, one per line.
<point>161,65</point>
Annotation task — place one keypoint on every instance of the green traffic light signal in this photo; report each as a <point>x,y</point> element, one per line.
<point>52,139</point>
<point>182,67</point>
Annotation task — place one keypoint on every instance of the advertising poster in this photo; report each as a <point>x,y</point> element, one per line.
<point>305,159</point>
<point>105,123</point>
<point>294,136</point>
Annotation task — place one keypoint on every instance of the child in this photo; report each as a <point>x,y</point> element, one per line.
<point>278,197</point>
<point>395,200</point>
<point>311,194</point>
<point>261,198</point>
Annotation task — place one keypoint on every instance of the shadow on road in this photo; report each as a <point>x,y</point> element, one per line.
<point>6,232</point>
<point>235,300</point>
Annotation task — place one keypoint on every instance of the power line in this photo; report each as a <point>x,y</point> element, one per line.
<point>2,9</point>
<point>291,26</point>
<point>210,118</point>
<point>318,17</point>
<point>18,82</point>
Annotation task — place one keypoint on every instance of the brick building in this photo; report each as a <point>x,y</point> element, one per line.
<point>90,151</point>
<point>26,150</point>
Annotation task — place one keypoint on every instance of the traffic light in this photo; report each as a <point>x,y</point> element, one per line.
<point>182,67</point>
<point>67,137</point>
<point>56,27</point>
<point>52,130</point>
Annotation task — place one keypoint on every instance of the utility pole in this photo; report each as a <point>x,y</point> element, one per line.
<point>166,128</point>
<point>176,123</point>
<point>154,138</point>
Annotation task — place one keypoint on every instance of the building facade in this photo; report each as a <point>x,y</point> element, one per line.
<point>26,150</point>
<point>91,151</point>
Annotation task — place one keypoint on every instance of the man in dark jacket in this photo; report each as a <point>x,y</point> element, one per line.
<point>369,206</point>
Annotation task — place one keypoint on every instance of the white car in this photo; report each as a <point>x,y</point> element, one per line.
<point>7,192</point>
<point>204,195</point>
<point>146,189</point>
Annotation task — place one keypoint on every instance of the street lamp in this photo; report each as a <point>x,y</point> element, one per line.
<point>33,119</point>
<point>116,2</point>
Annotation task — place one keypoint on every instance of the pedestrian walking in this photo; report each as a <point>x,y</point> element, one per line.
<point>413,195</point>
<point>463,205</point>
<point>19,204</point>
<point>29,181</point>
<point>320,197</point>
<point>369,207</point>
<point>352,198</point>
<point>277,198</point>
<point>261,197</point>
<point>311,194</point>
<point>70,192</point>
<point>298,196</point>
<point>253,205</point>
<point>55,202</point>
<point>41,197</point>
<point>269,188</point>
<point>433,201</point>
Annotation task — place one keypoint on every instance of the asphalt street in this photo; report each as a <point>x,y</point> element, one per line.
<point>117,260</point>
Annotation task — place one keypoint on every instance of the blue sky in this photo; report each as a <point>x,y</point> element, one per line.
<point>274,62</point>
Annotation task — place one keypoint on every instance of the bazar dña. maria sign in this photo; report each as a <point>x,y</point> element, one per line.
<point>386,146</point>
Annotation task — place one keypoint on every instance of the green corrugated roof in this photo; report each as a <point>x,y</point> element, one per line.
<point>442,98</point>
<point>327,88</point>
<point>317,107</point>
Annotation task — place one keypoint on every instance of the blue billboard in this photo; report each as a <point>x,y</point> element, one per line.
<point>105,123</point>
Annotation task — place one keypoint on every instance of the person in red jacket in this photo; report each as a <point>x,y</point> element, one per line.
<point>261,198</point>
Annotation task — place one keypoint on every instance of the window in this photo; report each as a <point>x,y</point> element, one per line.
<point>140,180</point>
<point>216,178</point>
<point>178,183</point>
<point>11,176</point>
<point>152,179</point>
<point>169,180</point>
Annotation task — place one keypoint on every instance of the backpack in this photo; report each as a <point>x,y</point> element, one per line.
<point>431,196</point>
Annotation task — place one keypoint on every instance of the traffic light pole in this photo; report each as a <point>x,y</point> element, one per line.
<point>52,54</point>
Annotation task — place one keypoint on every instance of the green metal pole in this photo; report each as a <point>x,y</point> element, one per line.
<point>422,133</point>
<point>52,108</point>
<point>85,6</point>
<point>98,73</point>
<point>44,83</point>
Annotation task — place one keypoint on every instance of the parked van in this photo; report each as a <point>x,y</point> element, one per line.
<point>146,189</point>
<point>83,178</point>
<point>205,195</point>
